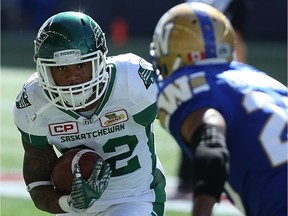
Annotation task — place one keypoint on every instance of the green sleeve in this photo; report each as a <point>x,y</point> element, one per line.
<point>36,141</point>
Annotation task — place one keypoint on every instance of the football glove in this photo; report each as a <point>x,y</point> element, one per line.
<point>85,193</point>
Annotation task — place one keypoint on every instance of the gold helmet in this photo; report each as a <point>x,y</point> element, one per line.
<point>191,33</point>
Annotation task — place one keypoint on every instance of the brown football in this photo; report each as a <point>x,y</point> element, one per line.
<point>62,171</point>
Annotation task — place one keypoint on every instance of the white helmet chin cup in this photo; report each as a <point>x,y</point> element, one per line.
<point>78,99</point>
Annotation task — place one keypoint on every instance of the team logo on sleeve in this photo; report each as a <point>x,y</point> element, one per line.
<point>113,118</point>
<point>22,100</point>
<point>146,73</point>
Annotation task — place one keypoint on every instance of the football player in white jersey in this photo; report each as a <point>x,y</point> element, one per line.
<point>80,98</point>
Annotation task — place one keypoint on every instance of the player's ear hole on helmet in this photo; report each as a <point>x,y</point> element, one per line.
<point>83,22</point>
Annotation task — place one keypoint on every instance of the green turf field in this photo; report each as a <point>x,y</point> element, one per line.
<point>24,207</point>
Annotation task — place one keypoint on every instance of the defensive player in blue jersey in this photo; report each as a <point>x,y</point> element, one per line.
<point>230,118</point>
<point>237,11</point>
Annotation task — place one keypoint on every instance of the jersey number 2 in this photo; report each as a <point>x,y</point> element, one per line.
<point>270,136</point>
<point>125,144</point>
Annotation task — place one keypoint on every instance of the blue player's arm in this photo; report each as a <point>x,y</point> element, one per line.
<point>204,132</point>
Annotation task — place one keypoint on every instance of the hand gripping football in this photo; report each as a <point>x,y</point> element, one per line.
<point>63,168</point>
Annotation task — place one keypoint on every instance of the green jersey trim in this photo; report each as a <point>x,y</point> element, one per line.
<point>158,209</point>
<point>159,182</point>
<point>158,185</point>
<point>112,72</point>
<point>36,141</point>
<point>147,116</point>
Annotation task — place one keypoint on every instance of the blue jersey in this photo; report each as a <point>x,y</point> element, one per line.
<point>254,107</point>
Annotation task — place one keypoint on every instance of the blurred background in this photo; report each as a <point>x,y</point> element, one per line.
<point>129,26</point>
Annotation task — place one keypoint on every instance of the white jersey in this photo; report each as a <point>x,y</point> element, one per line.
<point>121,130</point>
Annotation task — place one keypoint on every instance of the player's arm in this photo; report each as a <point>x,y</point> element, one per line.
<point>37,167</point>
<point>204,133</point>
